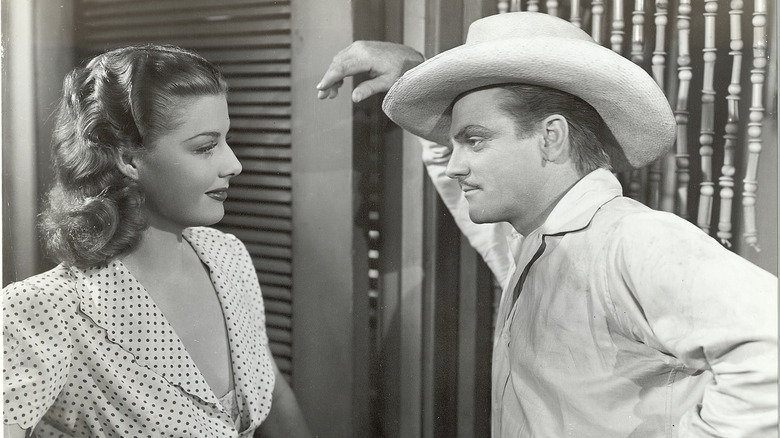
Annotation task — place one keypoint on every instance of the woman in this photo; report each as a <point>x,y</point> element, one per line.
<point>152,324</point>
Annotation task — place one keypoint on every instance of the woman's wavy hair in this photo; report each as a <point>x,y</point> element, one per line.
<point>116,104</point>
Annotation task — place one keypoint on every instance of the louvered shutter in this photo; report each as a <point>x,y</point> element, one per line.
<point>250,42</point>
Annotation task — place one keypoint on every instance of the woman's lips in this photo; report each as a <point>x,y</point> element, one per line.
<point>218,194</point>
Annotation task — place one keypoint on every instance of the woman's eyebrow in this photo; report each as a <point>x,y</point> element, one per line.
<point>205,134</point>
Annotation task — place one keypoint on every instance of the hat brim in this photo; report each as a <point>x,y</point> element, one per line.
<point>627,98</point>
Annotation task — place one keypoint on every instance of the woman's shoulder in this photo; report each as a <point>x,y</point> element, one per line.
<point>208,235</point>
<point>54,285</point>
<point>213,242</point>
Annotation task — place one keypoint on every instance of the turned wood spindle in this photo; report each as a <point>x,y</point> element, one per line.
<point>681,109</point>
<point>661,177</point>
<point>726,180</point>
<point>574,15</point>
<point>755,119</point>
<point>707,131</point>
<point>597,16</point>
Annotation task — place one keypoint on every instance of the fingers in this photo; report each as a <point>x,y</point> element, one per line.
<point>371,87</point>
<point>348,62</point>
<point>329,92</point>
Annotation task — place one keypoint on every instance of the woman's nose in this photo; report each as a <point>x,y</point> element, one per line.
<point>231,166</point>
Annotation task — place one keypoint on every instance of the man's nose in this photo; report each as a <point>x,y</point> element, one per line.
<point>456,167</point>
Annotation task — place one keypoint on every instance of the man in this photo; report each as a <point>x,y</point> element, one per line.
<point>615,320</point>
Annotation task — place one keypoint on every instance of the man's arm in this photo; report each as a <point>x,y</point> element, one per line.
<point>681,292</point>
<point>384,63</point>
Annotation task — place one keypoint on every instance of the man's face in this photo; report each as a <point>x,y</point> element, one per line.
<point>499,169</point>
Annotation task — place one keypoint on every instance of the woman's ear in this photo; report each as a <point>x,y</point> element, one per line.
<point>127,162</point>
<point>556,138</point>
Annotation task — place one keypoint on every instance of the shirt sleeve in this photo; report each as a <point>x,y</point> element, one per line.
<point>489,240</point>
<point>36,349</point>
<point>709,308</point>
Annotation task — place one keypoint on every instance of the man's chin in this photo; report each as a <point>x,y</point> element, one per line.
<point>481,218</point>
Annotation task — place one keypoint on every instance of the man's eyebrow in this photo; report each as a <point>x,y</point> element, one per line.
<point>470,130</point>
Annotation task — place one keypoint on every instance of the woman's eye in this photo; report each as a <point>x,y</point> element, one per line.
<point>207,149</point>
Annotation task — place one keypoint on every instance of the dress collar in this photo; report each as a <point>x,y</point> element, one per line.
<point>116,302</point>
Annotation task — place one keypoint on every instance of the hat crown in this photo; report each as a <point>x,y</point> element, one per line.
<point>523,25</point>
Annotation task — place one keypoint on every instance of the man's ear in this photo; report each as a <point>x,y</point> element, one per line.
<point>555,130</point>
<point>127,162</point>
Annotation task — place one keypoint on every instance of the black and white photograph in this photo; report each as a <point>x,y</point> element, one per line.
<point>390,218</point>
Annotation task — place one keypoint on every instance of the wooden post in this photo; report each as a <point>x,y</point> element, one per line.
<point>330,256</point>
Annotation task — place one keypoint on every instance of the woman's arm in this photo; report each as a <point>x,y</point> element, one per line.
<point>286,418</point>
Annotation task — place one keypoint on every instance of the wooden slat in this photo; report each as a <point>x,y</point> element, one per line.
<point>255,180</point>
<point>255,97</point>
<point>271,266</point>
<point>241,84</point>
<point>278,307</point>
<point>212,29</point>
<point>260,124</point>
<point>258,250</point>
<point>263,223</point>
<point>274,279</point>
<point>280,350</point>
<point>199,44</point>
<point>247,55</point>
<point>260,151</point>
<point>96,8</point>
<point>277,293</point>
<point>258,209</point>
<point>258,236</point>
<point>255,69</point>
<point>279,335</point>
<point>278,321</point>
<point>276,167</point>
<point>253,194</point>
<point>109,17</point>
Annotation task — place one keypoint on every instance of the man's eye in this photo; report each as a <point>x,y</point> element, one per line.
<point>474,141</point>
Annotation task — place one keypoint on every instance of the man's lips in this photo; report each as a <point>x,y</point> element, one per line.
<point>218,194</point>
<point>467,187</point>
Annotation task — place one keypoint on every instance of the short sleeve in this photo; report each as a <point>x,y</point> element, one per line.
<point>36,353</point>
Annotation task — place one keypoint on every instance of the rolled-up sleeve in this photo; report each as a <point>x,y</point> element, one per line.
<point>678,290</point>
<point>36,351</point>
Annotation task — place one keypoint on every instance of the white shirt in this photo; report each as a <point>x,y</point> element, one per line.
<point>632,322</point>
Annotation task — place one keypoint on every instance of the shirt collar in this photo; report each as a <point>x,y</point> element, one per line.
<point>578,206</point>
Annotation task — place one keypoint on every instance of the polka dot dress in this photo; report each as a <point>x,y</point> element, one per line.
<point>88,353</point>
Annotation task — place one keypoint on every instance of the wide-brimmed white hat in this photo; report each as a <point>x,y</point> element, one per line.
<point>538,49</point>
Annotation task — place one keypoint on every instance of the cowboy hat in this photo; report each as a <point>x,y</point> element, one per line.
<point>538,49</point>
